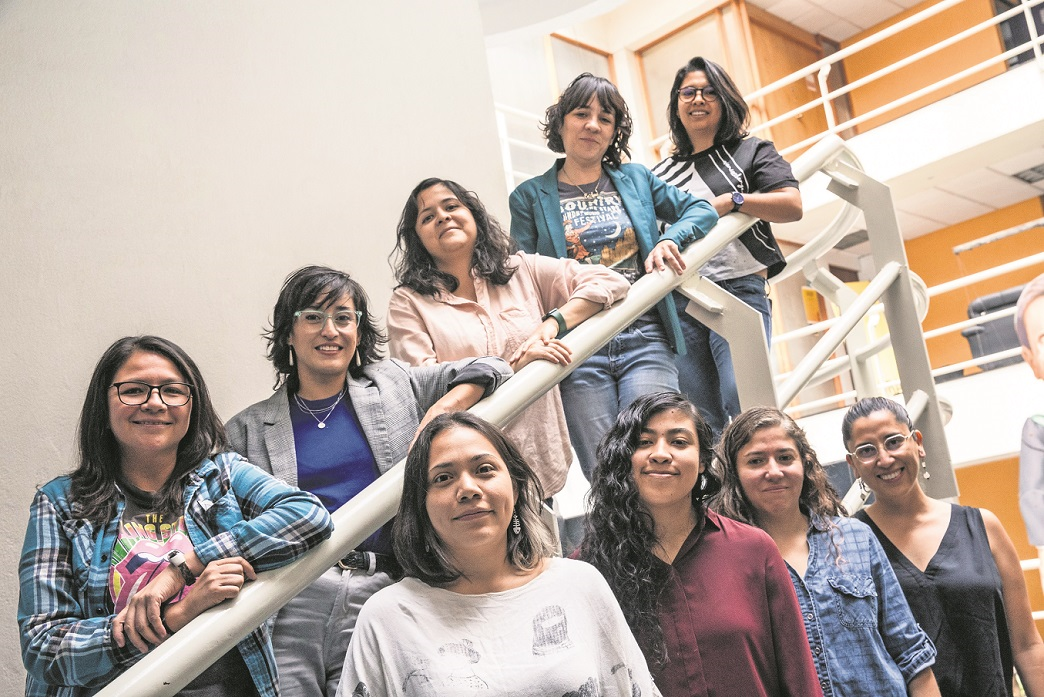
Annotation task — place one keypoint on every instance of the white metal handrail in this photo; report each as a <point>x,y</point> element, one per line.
<point>173,664</point>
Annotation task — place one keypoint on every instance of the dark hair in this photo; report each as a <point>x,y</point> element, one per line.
<point>414,266</point>
<point>317,287</point>
<point>93,489</point>
<point>866,407</point>
<point>735,115</point>
<point>817,498</point>
<point>620,534</point>
<point>417,546</point>
<point>577,95</point>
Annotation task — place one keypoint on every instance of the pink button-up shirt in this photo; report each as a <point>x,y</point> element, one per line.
<point>424,329</point>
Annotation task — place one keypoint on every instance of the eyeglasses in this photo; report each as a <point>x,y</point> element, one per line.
<point>342,319</point>
<point>173,394</point>
<point>868,452</point>
<point>708,94</point>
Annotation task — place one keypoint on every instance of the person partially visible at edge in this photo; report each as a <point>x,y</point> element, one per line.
<point>463,291</point>
<point>864,639</point>
<point>484,608</point>
<point>594,208</point>
<point>340,417</point>
<point>957,566</point>
<point>708,598</point>
<point>157,523</point>
<point>715,158</point>
<point>1029,325</point>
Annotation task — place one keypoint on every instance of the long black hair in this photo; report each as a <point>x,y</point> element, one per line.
<point>620,533</point>
<point>93,492</point>
<point>414,266</point>
<point>418,548</point>
<point>316,287</point>
<point>735,114</point>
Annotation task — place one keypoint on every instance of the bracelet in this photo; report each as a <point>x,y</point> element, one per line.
<point>556,315</point>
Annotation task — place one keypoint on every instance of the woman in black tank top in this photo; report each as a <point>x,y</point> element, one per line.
<point>957,566</point>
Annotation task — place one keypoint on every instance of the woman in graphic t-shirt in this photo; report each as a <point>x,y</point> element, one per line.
<point>156,524</point>
<point>592,207</point>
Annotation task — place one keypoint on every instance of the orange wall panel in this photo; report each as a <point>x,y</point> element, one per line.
<point>927,71</point>
<point>931,257</point>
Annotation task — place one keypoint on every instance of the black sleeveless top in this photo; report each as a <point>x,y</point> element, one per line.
<point>958,601</point>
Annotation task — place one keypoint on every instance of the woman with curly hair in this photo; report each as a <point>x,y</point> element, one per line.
<point>864,638</point>
<point>485,609</point>
<point>708,598</point>
<point>593,207</point>
<point>464,292</point>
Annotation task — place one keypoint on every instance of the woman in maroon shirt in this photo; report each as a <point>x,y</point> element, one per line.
<point>709,599</point>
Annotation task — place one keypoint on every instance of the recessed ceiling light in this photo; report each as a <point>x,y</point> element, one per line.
<point>1031,175</point>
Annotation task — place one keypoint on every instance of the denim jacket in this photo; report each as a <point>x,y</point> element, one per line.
<point>65,612</point>
<point>864,639</point>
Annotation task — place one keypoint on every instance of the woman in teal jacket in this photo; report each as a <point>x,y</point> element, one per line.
<point>593,208</point>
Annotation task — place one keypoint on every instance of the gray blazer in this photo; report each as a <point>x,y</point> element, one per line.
<point>390,399</point>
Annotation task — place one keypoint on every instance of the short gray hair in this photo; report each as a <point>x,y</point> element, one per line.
<point>1033,290</point>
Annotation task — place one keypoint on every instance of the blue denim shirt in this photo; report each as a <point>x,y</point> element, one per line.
<point>864,639</point>
<point>65,612</point>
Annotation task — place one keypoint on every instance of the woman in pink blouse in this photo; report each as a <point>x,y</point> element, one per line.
<point>463,292</point>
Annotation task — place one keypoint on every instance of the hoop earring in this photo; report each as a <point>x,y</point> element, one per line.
<point>516,524</point>
<point>862,486</point>
<point>701,482</point>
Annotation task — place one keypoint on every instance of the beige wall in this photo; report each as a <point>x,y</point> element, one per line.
<point>164,165</point>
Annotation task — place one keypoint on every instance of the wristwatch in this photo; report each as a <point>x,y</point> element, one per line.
<point>556,315</point>
<point>177,559</point>
<point>737,201</point>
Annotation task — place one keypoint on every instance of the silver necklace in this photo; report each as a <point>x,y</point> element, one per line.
<point>593,194</point>
<point>325,411</point>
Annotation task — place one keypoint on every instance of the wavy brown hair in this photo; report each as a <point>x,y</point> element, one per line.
<point>577,95</point>
<point>818,496</point>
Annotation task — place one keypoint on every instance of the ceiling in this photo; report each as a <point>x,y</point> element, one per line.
<point>834,19</point>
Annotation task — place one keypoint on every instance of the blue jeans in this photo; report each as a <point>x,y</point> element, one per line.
<point>705,373</point>
<point>636,361</point>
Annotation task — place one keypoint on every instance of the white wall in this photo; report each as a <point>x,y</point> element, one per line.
<point>164,165</point>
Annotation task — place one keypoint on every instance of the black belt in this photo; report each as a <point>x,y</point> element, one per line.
<point>371,563</point>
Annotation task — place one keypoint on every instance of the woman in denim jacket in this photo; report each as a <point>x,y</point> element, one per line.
<point>864,638</point>
<point>157,524</point>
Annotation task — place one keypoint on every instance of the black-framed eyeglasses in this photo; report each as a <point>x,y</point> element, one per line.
<point>688,94</point>
<point>868,452</point>
<point>342,319</point>
<point>134,393</point>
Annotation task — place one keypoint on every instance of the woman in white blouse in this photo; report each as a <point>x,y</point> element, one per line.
<point>463,292</point>
<point>484,609</point>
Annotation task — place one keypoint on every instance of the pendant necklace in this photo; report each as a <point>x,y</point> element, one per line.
<point>589,195</point>
<point>325,411</point>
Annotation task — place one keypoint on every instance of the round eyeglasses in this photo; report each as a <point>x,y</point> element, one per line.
<point>868,452</point>
<point>688,94</point>
<point>173,394</point>
<point>342,319</point>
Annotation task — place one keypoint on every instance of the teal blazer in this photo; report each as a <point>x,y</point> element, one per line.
<point>536,221</point>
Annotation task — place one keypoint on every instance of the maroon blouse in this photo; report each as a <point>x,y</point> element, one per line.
<point>731,620</point>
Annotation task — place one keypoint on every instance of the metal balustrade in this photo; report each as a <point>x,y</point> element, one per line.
<point>173,664</point>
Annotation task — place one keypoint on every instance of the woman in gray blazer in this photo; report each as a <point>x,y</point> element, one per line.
<point>341,416</point>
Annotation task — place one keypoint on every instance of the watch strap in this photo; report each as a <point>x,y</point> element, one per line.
<point>177,560</point>
<point>557,316</point>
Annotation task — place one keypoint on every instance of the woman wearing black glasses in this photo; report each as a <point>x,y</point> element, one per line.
<point>714,158</point>
<point>157,523</point>
<point>340,417</point>
<point>957,566</point>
